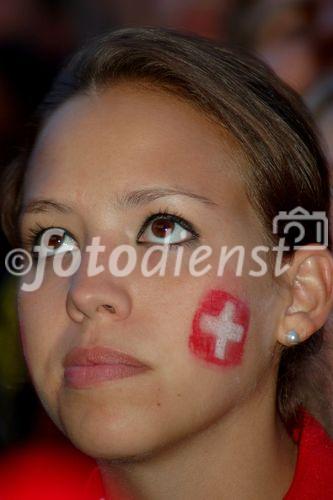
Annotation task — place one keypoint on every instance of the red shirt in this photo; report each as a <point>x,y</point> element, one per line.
<point>313,477</point>
<point>57,471</point>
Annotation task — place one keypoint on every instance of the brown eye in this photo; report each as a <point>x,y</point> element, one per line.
<point>56,240</point>
<point>53,241</point>
<point>162,227</point>
<point>165,230</point>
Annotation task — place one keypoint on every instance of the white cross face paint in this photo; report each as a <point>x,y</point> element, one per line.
<point>223,327</point>
<point>219,329</point>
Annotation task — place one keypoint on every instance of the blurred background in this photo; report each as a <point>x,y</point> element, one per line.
<point>294,37</point>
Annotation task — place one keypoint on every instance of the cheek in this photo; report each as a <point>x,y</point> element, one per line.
<point>34,323</point>
<point>219,329</point>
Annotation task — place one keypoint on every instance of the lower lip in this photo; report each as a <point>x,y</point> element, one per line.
<point>79,377</point>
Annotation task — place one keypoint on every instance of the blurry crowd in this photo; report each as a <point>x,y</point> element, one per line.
<point>295,37</point>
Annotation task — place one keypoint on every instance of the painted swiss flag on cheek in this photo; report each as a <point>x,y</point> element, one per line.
<point>219,329</point>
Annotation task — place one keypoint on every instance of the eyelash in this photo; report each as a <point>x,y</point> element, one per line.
<point>36,231</point>
<point>173,216</point>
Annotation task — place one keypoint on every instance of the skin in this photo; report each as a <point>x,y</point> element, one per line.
<point>169,431</point>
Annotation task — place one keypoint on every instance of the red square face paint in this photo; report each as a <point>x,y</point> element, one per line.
<point>219,329</point>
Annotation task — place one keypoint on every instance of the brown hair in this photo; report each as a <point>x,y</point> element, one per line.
<point>286,167</point>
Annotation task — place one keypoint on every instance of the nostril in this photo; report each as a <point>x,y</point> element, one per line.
<point>109,308</point>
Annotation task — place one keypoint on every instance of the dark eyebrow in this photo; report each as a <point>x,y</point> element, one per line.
<point>144,196</point>
<point>41,206</point>
<point>130,199</point>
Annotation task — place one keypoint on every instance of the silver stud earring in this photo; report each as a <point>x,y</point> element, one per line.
<point>292,337</point>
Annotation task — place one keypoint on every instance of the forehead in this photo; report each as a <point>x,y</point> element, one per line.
<point>129,136</point>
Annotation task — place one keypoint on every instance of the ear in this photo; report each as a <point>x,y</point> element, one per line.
<point>310,294</point>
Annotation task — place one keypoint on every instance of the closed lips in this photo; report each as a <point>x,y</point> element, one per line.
<point>86,367</point>
<point>97,355</point>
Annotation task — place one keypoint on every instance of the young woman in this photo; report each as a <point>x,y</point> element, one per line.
<point>195,373</point>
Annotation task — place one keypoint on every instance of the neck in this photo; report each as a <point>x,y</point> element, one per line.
<point>246,454</point>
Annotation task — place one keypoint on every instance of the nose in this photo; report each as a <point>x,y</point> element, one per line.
<point>97,296</point>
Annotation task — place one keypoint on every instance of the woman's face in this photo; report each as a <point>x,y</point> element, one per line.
<point>206,341</point>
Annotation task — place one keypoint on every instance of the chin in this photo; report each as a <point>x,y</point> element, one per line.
<point>111,431</point>
<point>112,441</point>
